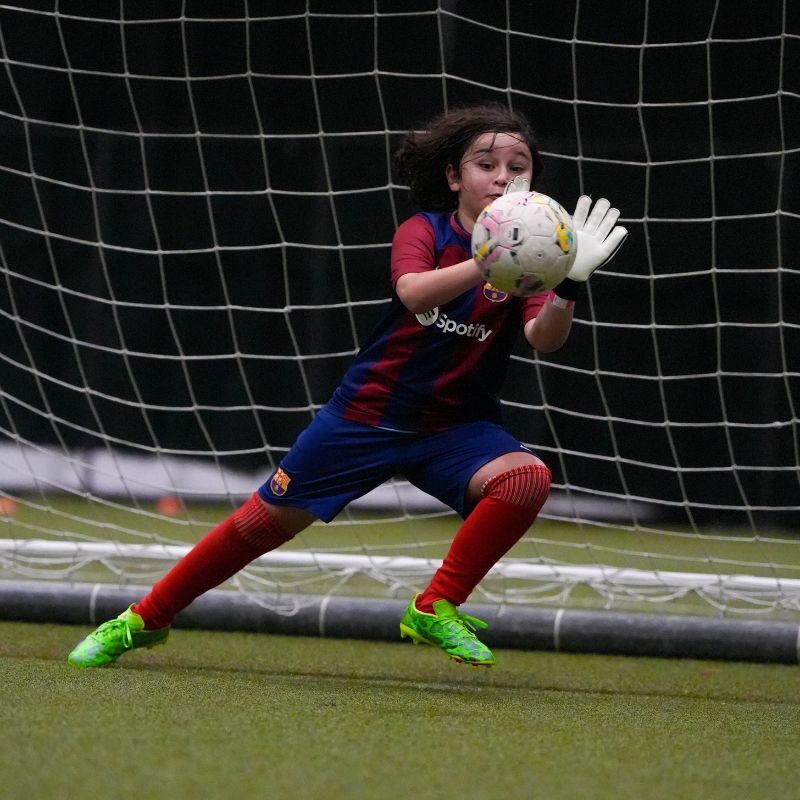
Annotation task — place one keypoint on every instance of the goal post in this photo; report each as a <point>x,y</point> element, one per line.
<point>196,209</point>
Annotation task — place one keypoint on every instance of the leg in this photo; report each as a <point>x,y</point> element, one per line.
<point>482,468</point>
<point>252,530</point>
<point>508,492</point>
<point>331,463</point>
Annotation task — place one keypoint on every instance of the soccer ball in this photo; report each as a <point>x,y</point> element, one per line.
<point>523,243</point>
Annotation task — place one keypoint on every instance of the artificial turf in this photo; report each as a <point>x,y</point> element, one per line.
<point>224,715</point>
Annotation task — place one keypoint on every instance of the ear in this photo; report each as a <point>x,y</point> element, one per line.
<point>453,178</point>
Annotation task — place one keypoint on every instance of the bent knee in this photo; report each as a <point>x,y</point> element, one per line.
<point>526,486</point>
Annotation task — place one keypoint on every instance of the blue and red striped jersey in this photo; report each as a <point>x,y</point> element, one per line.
<point>428,372</point>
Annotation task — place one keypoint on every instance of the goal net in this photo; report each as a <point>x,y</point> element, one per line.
<point>196,206</point>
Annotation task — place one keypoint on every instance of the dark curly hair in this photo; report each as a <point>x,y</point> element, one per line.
<point>423,157</point>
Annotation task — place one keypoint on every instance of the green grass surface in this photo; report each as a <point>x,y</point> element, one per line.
<point>232,715</point>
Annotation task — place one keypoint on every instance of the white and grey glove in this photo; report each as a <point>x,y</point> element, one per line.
<point>597,235</point>
<point>519,184</point>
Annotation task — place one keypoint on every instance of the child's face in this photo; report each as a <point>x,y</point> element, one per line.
<point>490,162</point>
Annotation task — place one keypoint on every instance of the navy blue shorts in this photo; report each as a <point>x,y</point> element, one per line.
<point>335,461</point>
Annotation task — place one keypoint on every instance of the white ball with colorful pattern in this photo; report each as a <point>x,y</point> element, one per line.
<point>523,243</point>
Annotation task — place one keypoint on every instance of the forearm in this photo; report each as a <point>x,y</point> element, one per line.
<point>422,291</point>
<point>549,331</point>
<point>599,238</point>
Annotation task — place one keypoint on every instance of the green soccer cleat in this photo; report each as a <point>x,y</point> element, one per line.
<point>448,629</point>
<point>113,638</point>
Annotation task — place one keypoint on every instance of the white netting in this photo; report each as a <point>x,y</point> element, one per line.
<point>195,215</point>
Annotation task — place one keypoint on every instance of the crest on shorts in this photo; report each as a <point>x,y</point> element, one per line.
<point>492,294</point>
<point>279,483</point>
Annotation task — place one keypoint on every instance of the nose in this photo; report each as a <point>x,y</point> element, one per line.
<point>503,176</point>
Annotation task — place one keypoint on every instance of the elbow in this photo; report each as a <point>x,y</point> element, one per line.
<point>414,305</point>
<point>412,299</point>
<point>548,347</point>
<point>546,344</point>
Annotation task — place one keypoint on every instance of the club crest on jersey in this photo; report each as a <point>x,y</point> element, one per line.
<point>492,294</point>
<point>279,483</point>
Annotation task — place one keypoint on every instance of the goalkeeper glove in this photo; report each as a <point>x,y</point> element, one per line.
<point>597,242</point>
<point>519,184</point>
<point>598,238</point>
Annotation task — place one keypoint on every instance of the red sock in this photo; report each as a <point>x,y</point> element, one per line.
<point>246,534</point>
<point>511,501</point>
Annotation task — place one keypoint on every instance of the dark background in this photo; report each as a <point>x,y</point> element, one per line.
<point>180,183</point>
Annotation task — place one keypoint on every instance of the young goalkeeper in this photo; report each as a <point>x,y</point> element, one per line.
<point>419,399</point>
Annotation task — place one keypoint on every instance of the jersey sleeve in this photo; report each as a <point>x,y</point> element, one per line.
<point>413,247</point>
<point>531,306</point>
